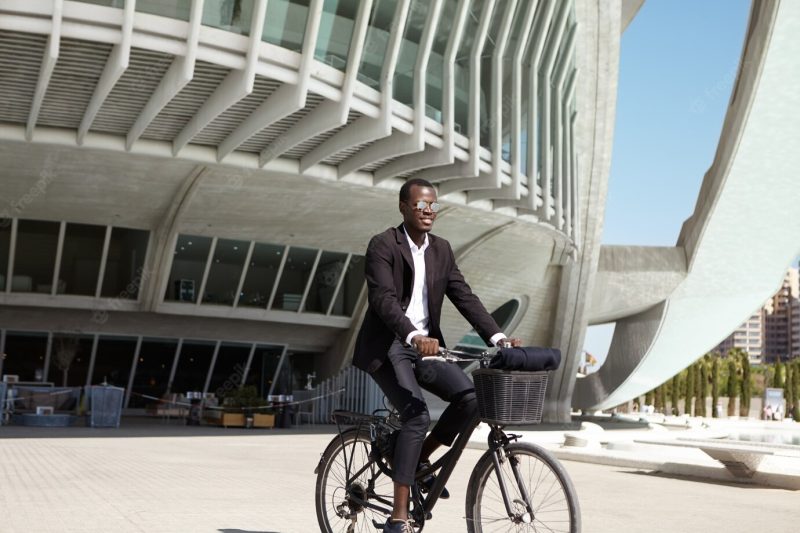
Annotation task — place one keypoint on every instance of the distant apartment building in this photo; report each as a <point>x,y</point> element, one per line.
<point>774,330</point>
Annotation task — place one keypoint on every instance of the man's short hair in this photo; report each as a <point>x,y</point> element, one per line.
<point>405,190</point>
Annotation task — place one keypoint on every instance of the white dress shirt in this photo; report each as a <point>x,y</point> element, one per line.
<point>417,311</point>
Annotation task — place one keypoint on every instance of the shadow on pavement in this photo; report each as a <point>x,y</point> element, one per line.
<point>697,479</point>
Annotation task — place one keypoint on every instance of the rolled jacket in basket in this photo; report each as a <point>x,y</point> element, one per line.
<point>527,358</point>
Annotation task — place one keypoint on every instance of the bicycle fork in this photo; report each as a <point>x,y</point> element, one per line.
<point>499,456</point>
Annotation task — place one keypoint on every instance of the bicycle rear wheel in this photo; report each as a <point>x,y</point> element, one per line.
<point>340,504</point>
<point>552,498</point>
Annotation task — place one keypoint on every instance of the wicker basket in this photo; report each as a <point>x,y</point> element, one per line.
<point>510,397</point>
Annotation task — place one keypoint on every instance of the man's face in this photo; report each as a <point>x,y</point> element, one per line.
<point>414,218</point>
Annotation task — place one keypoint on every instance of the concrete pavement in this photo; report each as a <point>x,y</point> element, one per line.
<point>168,478</point>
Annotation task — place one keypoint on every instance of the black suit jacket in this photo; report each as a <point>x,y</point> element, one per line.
<point>390,280</point>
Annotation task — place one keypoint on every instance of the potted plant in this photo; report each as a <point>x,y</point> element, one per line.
<point>242,404</point>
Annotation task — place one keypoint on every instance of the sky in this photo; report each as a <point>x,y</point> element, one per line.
<point>678,62</point>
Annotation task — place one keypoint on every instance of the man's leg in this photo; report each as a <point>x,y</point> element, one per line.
<point>450,383</point>
<point>397,380</point>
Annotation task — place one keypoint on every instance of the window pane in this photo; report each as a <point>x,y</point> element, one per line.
<point>80,259</point>
<point>176,9</point>
<point>369,72</point>
<point>35,256</point>
<point>229,368</point>
<point>286,23</point>
<point>462,70</point>
<point>125,263</point>
<point>294,279</point>
<point>335,31</point>
<point>112,363</point>
<point>351,287</point>
<point>230,15</point>
<point>327,276</point>
<point>226,270</point>
<point>152,371</point>
<point>435,71</point>
<point>25,354</point>
<point>261,274</point>
<point>262,369</point>
<point>188,265</point>
<point>69,362</point>
<point>193,366</point>
<point>5,246</point>
<point>404,73</point>
<point>507,107</point>
<point>486,71</point>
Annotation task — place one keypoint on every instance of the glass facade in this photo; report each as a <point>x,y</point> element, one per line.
<point>376,43</point>
<point>230,15</point>
<point>5,249</point>
<point>352,284</point>
<point>124,272</point>
<point>176,9</point>
<point>69,359</point>
<point>188,266</point>
<point>112,364</point>
<point>403,85</point>
<point>226,271</point>
<point>153,368</point>
<point>285,24</point>
<point>261,275</point>
<point>461,82</point>
<point>193,364</point>
<point>80,259</point>
<point>335,32</point>
<point>263,367</point>
<point>325,281</point>
<point>434,75</point>
<point>229,368</point>
<point>292,285</point>
<point>35,256</point>
<point>25,355</point>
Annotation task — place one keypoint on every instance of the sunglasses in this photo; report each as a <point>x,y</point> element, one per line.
<point>422,204</point>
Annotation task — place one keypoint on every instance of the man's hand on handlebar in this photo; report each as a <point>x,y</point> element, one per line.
<point>426,346</point>
<point>514,342</point>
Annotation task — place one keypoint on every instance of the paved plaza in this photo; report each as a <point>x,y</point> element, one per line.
<point>170,478</point>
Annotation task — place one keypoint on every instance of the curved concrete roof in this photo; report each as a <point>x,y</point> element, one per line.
<point>744,229</point>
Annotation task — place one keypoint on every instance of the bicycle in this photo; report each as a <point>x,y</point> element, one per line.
<point>519,483</point>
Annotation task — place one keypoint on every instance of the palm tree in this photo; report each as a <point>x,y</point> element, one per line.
<point>690,386</point>
<point>676,393</point>
<point>714,385</point>
<point>733,384</point>
<point>747,386</point>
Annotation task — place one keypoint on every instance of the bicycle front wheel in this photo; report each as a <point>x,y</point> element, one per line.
<point>350,486</point>
<point>540,494</point>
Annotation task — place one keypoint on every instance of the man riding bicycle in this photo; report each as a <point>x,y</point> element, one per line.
<point>409,272</point>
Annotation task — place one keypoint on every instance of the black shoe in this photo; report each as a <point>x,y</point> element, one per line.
<point>426,483</point>
<point>403,526</point>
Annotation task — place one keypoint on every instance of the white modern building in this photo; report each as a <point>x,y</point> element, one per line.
<point>188,186</point>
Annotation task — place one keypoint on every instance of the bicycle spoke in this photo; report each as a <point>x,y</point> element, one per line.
<point>546,494</point>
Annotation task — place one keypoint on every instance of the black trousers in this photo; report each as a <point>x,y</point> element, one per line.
<point>401,382</point>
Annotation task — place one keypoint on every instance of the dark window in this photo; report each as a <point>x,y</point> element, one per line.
<point>262,369</point>
<point>229,368</point>
<point>326,278</point>
<point>152,371</point>
<point>125,263</point>
<point>351,287</point>
<point>5,246</point>
<point>226,271</point>
<point>294,278</point>
<point>70,358</point>
<point>261,274</point>
<point>188,266</point>
<point>35,256</point>
<point>80,259</point>
<point>193,365</point>
<point>112,363</point>
<point>25,355</point>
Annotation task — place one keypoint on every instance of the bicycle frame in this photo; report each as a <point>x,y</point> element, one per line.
<point>446,464</point>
